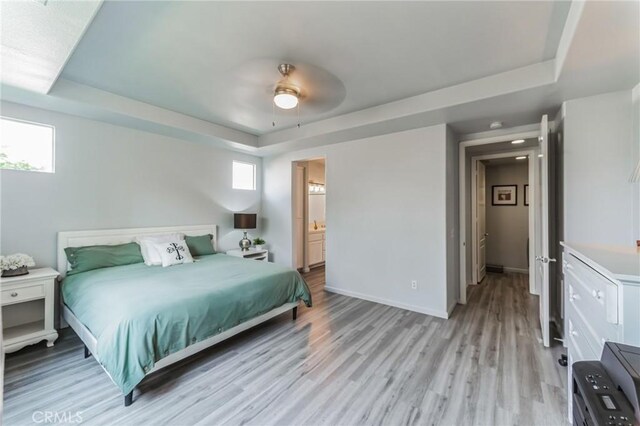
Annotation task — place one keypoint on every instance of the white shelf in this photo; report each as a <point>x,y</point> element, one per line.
<point>19,331</point>
<point>27,309</point>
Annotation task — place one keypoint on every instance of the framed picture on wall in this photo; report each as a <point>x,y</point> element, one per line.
<point>504,195</point>
<point>526,194</point>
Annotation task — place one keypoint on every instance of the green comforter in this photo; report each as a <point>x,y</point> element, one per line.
<point>140,314</point>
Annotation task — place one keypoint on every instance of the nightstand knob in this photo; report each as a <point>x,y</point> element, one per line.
<point>14,294</point>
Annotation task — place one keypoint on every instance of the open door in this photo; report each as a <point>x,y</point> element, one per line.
<point>298,211</point>
<point>542,230</point>
<point>481,220</point>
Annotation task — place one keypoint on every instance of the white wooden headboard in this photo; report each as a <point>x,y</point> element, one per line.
<point>121,236</point>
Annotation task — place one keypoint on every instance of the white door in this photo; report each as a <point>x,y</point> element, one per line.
<point>298,200</point>
<point>481,221</point>
<point>541,194</point>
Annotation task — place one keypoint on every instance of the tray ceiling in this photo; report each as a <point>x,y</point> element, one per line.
<point>216,60</point>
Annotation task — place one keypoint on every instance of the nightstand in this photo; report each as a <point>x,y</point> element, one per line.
<point>252,253</point>
<point>27,309</point>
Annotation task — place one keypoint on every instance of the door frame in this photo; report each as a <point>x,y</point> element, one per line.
<point>532,155</point>
<point>462,191</point>
<point>475,244</point>
<point>295,243</point>
<point>304,163</point>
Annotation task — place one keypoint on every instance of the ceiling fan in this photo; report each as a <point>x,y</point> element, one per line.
<point>286,94</point>
<point>267,85</point>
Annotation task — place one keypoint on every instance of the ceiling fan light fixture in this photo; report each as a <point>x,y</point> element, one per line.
<point>285,97</point>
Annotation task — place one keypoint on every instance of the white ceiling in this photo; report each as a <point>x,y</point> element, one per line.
<point>37,39</point>
<point>505,161</point>
<point>203,71</point>
<point>217,60</point>
<point>502,147</point>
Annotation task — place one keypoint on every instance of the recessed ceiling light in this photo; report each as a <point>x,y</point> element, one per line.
<point>495,125</point>
<point>522,157</point>
<point>517,141</point>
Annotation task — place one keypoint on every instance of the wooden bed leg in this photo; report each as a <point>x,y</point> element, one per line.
<point>87,354</point>
<point>295,313</point>
<point>128,399</point>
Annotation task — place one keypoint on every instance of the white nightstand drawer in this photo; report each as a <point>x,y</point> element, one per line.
<point>22,294</point>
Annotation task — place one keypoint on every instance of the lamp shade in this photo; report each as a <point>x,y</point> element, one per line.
<point>244,220</point>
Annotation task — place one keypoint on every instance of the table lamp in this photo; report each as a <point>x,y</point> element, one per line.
<point>244,221</point>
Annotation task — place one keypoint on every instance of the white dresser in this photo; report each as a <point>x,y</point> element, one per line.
<point>602,300</point>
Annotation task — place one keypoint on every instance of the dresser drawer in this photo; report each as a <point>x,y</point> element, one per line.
<point>594,291</point>
<point>16,295</point>
<point>593,278</point>
<point>594,331</point>
<point>579,344</point>
<point>600,307</point>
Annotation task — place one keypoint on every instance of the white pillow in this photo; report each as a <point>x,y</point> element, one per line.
<point>174,253</point>
<point>150,255</point>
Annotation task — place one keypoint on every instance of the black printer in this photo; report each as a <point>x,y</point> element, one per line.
<point>607,392</point>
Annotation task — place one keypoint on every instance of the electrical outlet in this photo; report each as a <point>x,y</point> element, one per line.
<point>414,285</point>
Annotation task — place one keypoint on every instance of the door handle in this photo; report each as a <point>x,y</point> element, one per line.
<point>545,259</point>
<point>486,234</point>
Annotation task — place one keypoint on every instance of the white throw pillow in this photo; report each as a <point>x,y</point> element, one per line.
<point>150,255</point>
<point>174,253</point>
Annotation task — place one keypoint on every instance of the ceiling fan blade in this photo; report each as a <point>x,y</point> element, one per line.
<point>255,81</point>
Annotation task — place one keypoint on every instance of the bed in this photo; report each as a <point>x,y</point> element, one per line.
<point>136,319</point>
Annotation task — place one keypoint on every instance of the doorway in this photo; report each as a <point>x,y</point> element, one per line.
<point>502,216</point>
<point>535,139</point>
<point>309,213</point>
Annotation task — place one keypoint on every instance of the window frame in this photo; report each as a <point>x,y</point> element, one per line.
<point>53,142</point>
<point>255,175</point>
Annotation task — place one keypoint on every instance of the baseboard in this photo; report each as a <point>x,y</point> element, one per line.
<point>516,270</point>
<point>451,308</point>
<point>559,330</point>
<point>413,308</point>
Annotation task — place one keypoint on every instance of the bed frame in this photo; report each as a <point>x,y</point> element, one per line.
<point>121,236</point>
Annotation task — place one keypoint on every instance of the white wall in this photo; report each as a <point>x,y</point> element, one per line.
<point>114,177</point>
<point>386,216</point>
<point>598,161</point>
<point>507,226</point>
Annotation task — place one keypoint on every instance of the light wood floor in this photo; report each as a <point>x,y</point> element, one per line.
<point>343,362</point>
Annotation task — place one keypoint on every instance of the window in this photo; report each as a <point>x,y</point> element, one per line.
<point>26,146</point>
<point>244,176</point>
